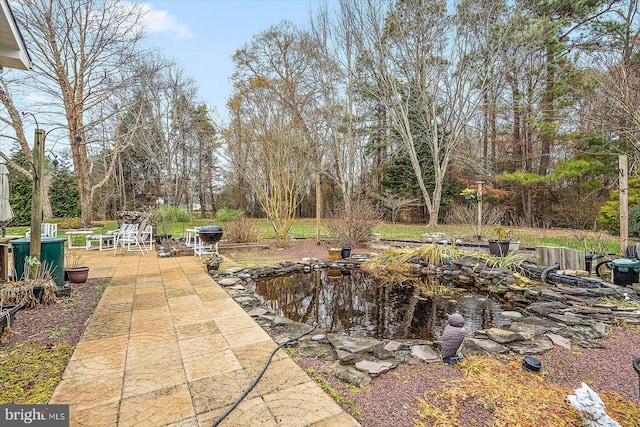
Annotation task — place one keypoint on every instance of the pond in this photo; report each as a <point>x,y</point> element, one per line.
<point>354,302</point>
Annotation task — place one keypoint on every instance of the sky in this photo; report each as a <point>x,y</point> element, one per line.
<point>202,35</point>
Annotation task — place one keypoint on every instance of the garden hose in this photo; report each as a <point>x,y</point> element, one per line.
<point>266,365</point>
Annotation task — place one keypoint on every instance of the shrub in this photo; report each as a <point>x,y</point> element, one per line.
<point>468,214</point>
<point>67,223</point>
<point>165,216</point>
<point>227,214</point>
<point>354,223</point>
<point>609,215</point>
<point>634,221</point>
<point>241,230</point>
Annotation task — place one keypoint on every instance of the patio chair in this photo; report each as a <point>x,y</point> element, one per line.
<point>126,234</point>
<point>46,230</point>
<point>136,239</point>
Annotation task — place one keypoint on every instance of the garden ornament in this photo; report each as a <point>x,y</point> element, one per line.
<point>452,337</point>
<point>591,408</point>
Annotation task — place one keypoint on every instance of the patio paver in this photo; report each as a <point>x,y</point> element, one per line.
<point>167,346</point>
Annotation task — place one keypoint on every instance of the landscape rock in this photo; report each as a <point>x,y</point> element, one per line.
<point>482,346</point>
<point>538,346</point>
<point>559,340</point>
<point>392,345</point>
<point>353,345</point>
<point>316,350</point>
<point>348,374</point>
<point>374,367</point>
<point>504,336</point>
<point>426,353</point>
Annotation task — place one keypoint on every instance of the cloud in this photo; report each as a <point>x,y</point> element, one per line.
<point>161,21</point>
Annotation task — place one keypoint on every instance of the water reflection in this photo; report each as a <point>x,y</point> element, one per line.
<point>361,306</point>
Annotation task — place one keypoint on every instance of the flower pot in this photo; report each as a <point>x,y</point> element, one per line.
<point>345,252</point>
<point>335,253</point>
<point>77,274</point>
<point>498,247</point>
<point>211,267</point>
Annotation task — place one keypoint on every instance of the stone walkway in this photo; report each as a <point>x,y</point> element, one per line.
<point>167,346</point>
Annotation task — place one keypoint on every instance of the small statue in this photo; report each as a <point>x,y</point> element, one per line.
<point>452,338</point>
<point>591,408</point>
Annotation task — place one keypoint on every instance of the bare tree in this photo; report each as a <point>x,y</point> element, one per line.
<point>394,203</point>
<point>341,111</point>
<point>425,68</point>
<point>81,51</point>
<point>271,140</point>
<point>13,130</point>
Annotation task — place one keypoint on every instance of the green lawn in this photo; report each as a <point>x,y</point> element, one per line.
<point>306,228</point>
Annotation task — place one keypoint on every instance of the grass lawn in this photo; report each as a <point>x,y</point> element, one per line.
<point>596,242</point>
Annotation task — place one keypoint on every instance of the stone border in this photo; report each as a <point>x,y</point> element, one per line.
<point>542,316</point>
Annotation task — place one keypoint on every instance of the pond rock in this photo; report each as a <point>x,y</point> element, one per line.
<point>348,374</point>
<point>504,336</point>
<point>538,346</point>
<point>353,345</point>
<point>229,281</point>
<point>425,353</point>
<point>482,346</point>
<point>374,367</point>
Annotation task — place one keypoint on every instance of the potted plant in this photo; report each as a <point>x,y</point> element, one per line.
<point>468,193</point>
<point>74,272</point>
<point>213,262</point>
<point>500,245</point>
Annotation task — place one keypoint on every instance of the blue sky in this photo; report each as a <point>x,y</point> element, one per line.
<point>202,35</point>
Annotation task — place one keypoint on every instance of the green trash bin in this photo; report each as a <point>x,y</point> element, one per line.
<point>625,271</point>
<point>51,255</point>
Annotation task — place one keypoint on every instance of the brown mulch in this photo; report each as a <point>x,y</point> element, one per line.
<point>59,322</point>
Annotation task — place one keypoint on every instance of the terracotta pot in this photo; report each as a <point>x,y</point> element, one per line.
<point>77,274</point>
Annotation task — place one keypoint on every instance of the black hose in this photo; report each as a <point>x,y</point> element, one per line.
<point>546,271</point>
<point>266,365</point>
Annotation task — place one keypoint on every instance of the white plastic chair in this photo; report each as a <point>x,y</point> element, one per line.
<point>127,234</point>
<point>46,230</point>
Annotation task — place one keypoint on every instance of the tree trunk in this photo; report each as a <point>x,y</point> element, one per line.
<point>548,114</point>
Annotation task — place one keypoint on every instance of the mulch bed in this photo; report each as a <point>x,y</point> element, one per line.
<point>64,321</point>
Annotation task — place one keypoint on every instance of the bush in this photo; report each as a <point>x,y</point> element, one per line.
<point>353,224</point>
<point>468,214</point>
<point>165,216</point>
<point>609,215</point>
<point>227,214</point>
<point>67,223</point>
<point>634,221</point>
<point>241,231</point>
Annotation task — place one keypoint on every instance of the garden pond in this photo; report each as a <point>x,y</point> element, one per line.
<point>354,302</point>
